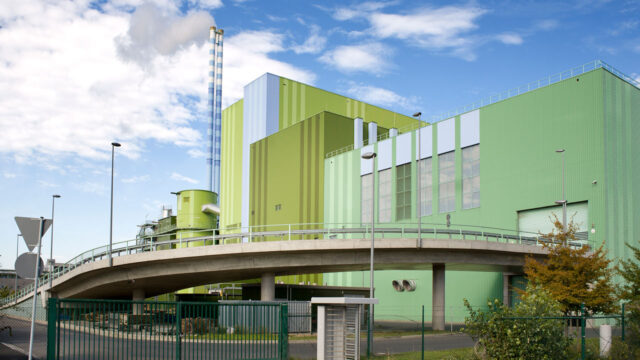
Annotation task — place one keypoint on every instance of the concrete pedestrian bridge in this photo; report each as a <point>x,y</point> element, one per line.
<point>143,270</point>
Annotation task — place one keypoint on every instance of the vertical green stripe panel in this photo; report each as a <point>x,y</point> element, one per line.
<point>621,111</point>
<point>231,165</point>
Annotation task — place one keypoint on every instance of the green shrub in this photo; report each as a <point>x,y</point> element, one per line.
<point>499,337</point>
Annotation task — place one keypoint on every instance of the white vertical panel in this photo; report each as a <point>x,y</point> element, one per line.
<point>426,142</point>
<point>384,154</point>
<point>366,165</point>
<point>403,149</point>
<point>260,119</point>
<point>470,128</point>
<point>446,135</point>
<point>357,133</point>
<point>393,132</point>
<point>373,133</point>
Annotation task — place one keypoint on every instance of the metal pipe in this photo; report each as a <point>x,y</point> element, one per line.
<point>15,286</point>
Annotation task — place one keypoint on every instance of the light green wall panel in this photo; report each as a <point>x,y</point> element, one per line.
<point>299,101</point>
<point>231,166</point>
<point>621,178</point>
<point>520,170</point>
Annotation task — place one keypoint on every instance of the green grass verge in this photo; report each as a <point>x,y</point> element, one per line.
<point>453,354</point>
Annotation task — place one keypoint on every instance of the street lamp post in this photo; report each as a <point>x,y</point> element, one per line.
<point>564,197</point>
<point>51,261</point>
<point>366,156</point>
<point>113,146</point>
<point>418,158</point>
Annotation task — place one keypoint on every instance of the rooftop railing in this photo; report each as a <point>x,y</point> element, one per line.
<point>494,98</point>
<point>287,232</point>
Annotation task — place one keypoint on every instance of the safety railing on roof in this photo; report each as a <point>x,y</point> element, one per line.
<point>287,232</point>
<point>494,98</point>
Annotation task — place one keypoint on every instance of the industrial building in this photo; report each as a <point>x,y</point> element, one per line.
<point>292,154</point>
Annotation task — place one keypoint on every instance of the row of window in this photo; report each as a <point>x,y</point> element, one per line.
<point>446,185</point>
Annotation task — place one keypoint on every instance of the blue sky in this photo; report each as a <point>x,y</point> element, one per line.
<point>76,75</point>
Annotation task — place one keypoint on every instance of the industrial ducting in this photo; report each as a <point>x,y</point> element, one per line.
<point>397,285</point>
<point>409,285</point>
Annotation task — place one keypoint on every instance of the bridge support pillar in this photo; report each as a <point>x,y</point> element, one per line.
<point>437,304</point>
<point>268,287</point>
<point>138,295</point>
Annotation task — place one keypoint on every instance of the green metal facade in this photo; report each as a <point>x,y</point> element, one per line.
<point>297,103</point>
<point>595,117</point>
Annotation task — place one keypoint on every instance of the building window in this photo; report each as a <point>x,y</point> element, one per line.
<point>403,192</point>
<point>471,177</point>
<point>384,196</point>
<point>426,186</point>
<point>447,170</point>
<point>367,183</point>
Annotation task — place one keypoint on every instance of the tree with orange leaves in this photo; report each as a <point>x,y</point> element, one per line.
<point>573,275</point>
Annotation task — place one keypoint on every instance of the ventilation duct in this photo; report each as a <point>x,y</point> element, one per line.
<point>409,285</point>
<point>397,285</point>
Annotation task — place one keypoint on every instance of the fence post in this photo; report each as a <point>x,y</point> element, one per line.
<point>178,331</point>
<point>52,317</point>
<point>284,332</point>
<point>422,352</point>
<point>583,336</point>
<point>623,304</point>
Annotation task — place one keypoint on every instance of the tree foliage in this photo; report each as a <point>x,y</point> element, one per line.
<point>629,270</point>
<point>574,276</point>
<point>499,336</point>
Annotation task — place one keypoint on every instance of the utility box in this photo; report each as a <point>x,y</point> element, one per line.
<point>339,326</point>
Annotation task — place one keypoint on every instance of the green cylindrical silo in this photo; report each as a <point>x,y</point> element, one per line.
<point>191,220</point>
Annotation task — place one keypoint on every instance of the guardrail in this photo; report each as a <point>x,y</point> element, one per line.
<point>288,232</point>
<point>497,97</point>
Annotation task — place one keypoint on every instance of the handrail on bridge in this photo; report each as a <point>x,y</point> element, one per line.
<point>287,232</point>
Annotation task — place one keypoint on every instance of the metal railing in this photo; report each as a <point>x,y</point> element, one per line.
<point>494,98</point>
<point>124,329</point>
<point>287,232</point>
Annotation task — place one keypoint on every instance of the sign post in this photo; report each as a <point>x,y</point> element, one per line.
<point>32,230</point>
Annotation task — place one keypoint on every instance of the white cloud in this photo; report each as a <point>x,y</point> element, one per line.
<point>151,33</point>
<point>47,184</point>
<point>510,38</point>
<point>66,84</point>
<point>381,97</point>
<point>360,10</point>
<point>179,177</point>
<point>440,29</point>
<point>197,153</point>
<point>136,179</point>
<point>371,58</point>
<point>8,175</point>
<point>92,187</point>
<point>313,44</point>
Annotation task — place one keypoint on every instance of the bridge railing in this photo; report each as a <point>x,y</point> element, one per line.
<point>289,232</point>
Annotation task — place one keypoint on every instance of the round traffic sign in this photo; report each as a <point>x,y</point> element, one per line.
<point>26,265</point>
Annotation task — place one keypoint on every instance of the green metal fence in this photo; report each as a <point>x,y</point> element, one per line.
<point>120,329</point>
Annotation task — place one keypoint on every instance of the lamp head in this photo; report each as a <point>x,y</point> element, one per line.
<point>418,114</point>
<point>56,196</point>
<point>560,150</point>
<point>115,144</point>
<point>369,155</point>
<point>560,202</point>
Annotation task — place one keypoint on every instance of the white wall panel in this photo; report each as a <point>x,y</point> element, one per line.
<point>446,135</point>
<point>373,133</point>
<point>366,165</point>
<point>357,133</point>
<point>470,128</point>
<point>384,154</point>
<point>426,142</point>
<point>403,149</point>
